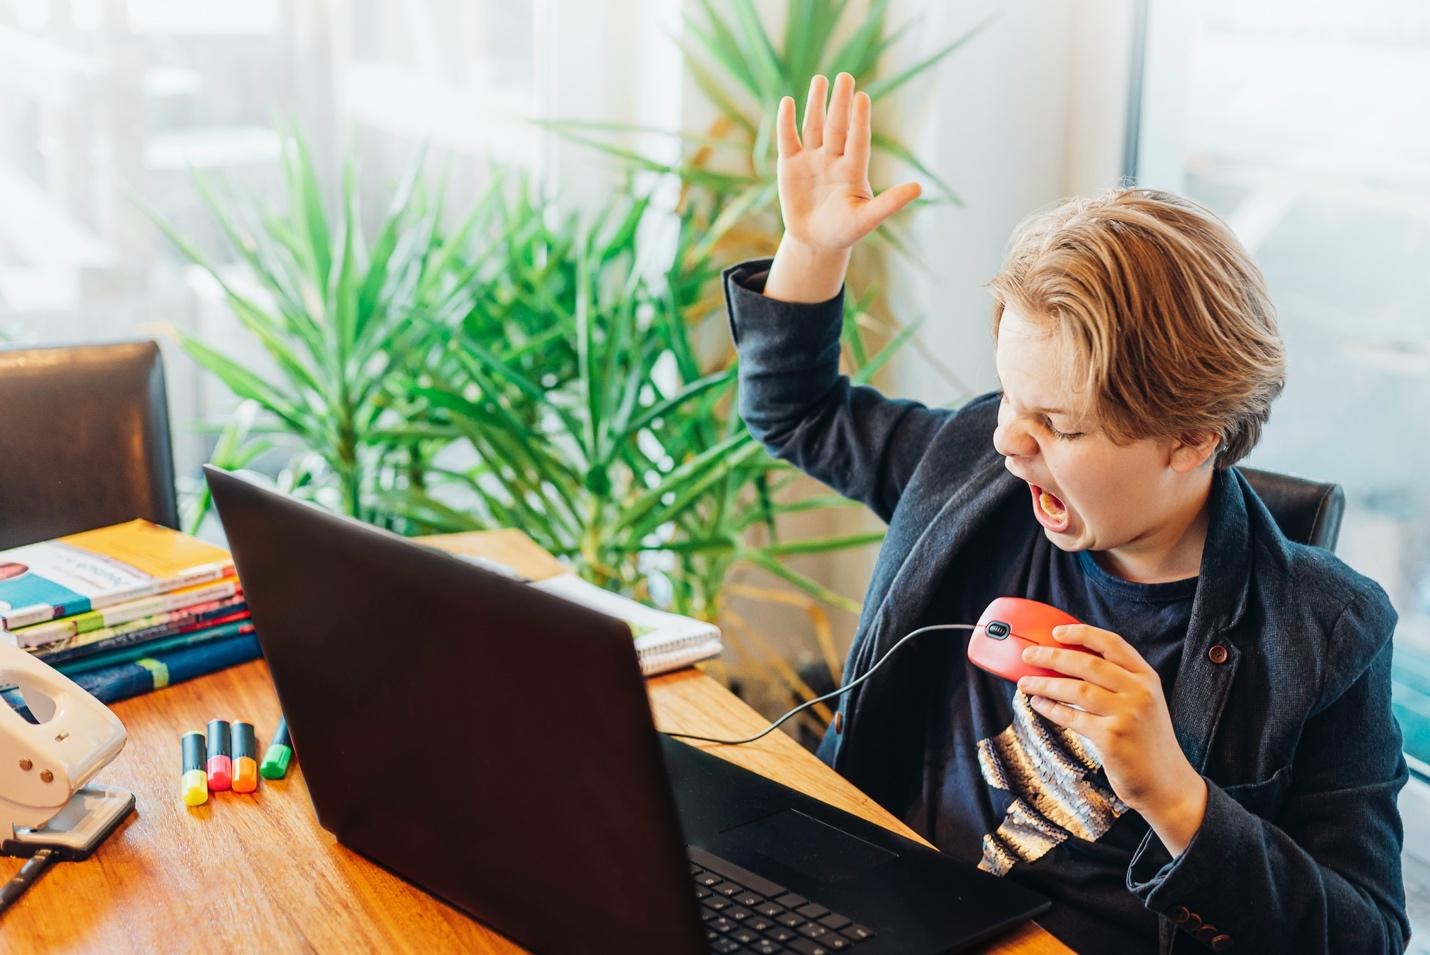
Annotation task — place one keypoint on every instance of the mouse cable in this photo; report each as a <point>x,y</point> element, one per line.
<point>833,693</point>
<point>33,868</point>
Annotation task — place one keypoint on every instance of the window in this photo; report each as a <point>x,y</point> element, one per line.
<point>105,103</point>
<point>1302,124</point>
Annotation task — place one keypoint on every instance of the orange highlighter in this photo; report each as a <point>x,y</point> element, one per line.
<point>245,761</point>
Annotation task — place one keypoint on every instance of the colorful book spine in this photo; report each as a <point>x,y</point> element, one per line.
<point>138,652</point>
<point>143,631</point>
<point>157,605</point>
<point>121,681</point>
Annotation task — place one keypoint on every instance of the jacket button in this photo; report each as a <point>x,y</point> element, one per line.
<point>1222,943</point>
<point>838,721</point>
<point>1178,914</point>
<point>1206,933</point>
<point>1217,654</point>
<point>1193,922</point>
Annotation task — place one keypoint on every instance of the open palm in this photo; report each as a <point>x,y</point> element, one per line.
<point>825,197</point>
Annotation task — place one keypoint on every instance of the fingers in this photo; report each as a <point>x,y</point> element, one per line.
<point>837,127</point>
<point>814,113</point>
<point>885,204</point>
<point>1085,696</point>
<point>1084,724</point>
<point>1111,646</point>
<point>1082,665</point>
<point>786,139</point>
<point>856,145</point>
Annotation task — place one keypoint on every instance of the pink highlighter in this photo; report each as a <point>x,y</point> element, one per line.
<point>220,765</point>
<point>1008,627</point>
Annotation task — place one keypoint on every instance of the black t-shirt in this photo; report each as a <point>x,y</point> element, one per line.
<point>1006,789</point>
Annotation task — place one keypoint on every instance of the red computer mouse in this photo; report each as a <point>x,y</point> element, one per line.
<point>1008,627</point>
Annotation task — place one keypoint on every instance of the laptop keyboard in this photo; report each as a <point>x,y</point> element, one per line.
<point>744,912</point>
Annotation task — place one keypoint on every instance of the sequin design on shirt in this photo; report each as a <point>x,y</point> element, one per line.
<point>1050,772</point>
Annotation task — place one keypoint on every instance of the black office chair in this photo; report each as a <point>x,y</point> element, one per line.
<point>1307,512</point>
<point>84,440</point>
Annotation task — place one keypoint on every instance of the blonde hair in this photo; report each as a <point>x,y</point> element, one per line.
<point>1168,317</point>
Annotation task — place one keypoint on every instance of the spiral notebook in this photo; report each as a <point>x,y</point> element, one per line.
<point>664,640</point>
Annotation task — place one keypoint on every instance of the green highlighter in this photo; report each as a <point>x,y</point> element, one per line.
<point>280,752</point>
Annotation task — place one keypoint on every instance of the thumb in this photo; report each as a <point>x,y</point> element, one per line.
<point>885,204</point>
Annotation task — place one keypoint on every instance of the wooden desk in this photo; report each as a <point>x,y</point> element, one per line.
<point>256,872</point>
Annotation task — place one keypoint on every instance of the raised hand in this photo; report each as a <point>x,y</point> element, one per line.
<point>825,197</point>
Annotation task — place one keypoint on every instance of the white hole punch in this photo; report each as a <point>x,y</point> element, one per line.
<point>46,809</point>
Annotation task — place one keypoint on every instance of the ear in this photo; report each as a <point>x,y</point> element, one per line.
<point>1193,451</point>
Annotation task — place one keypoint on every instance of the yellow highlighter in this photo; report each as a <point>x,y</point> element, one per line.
<point>196,778</point>
<point>245,758</point>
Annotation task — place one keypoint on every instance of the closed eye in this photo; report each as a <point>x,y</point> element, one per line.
<point>1060,435</point>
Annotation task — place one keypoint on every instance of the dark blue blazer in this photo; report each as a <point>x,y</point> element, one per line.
<point>1282,699</point>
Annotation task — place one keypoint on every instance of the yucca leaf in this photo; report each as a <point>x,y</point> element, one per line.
<point>881,88</point>
<point>370,299</point>
<point>808,26</point>
<point>823,545</point>
<point>902,152</point>
<point>704,177</point>
<point>246,384</point>
<point>343,295</point>
<point>808,585</point>
<point>267,331</point>
<point>307,197</point>
<point>714,142</point>
<point>687,482</point>
<point>813,503</point>
<point>869,369</point>
<point>744,202</point>
<point>722,44</point>
<point>759,53</point>
<point>858,53</point>
<point>668,405</point>
<point>259,262</point>
<point>712,88</point>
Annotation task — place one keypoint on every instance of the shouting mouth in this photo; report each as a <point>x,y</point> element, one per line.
<point>1050,510</point>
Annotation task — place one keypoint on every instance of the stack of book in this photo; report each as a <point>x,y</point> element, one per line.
<point>125,609</point>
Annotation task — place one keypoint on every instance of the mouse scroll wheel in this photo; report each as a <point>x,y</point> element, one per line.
<point>997,629</point>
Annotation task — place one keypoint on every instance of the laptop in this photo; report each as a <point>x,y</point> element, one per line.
<point>494,745</point>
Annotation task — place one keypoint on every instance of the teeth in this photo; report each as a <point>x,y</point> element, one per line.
<point>1051,506</point>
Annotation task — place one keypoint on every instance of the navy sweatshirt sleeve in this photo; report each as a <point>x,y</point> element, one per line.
<point>796,403</point>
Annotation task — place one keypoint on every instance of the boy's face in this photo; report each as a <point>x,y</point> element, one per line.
<point>1087,492</point>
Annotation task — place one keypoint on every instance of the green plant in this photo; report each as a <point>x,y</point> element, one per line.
<point>334,316</point>
<point>636,451</point>
<point>635,466</point>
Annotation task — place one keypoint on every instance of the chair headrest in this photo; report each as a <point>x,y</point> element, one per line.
<point>1308,512</point>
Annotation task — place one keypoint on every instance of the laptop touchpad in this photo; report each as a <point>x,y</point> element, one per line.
<point>807,845</point>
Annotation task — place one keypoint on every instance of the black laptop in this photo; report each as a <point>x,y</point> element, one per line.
<point>494,745</point>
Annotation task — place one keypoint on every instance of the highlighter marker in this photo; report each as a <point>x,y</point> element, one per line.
<point>220,762</point>
<point>275,761</point>
<point>245,761</point>
<point>195,785</point>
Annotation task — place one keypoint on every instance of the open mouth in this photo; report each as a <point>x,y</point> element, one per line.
<point>1050,510</point>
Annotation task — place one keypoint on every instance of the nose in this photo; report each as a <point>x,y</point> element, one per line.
<point>1012,439</point>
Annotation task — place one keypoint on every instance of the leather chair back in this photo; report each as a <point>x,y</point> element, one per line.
<point>84,439</point>
<point>1308,512</point>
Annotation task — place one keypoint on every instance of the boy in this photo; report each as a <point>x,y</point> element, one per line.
<point>1225,765</point>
